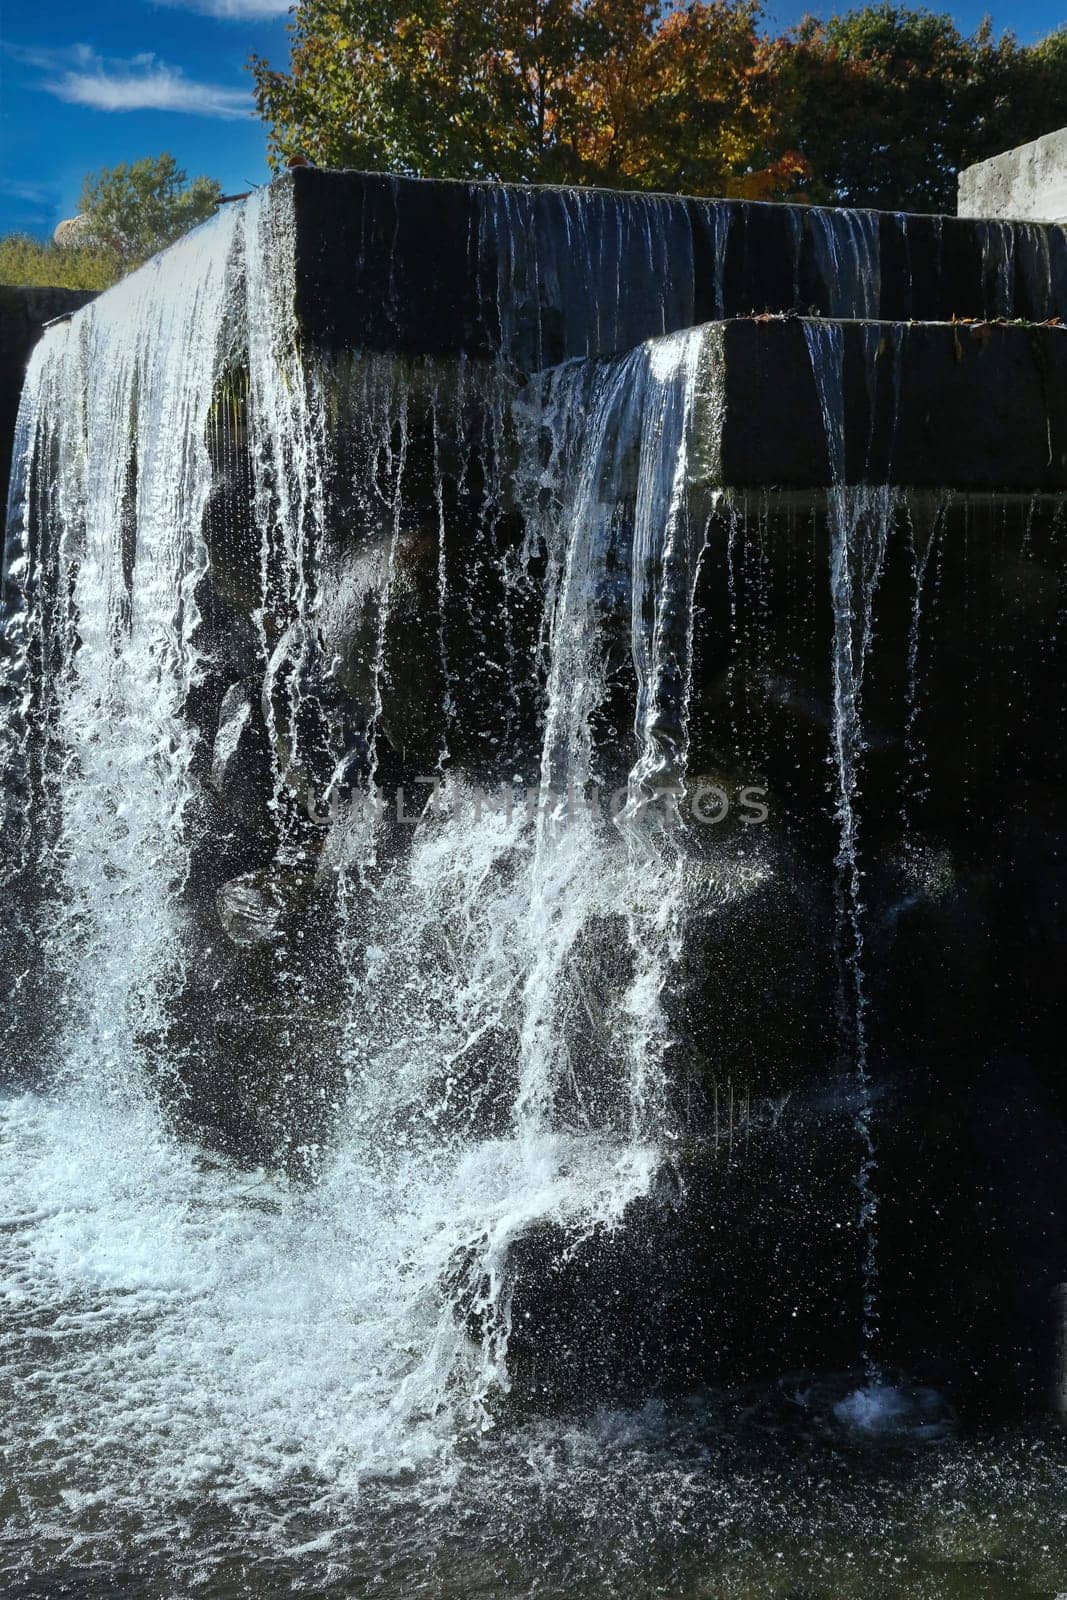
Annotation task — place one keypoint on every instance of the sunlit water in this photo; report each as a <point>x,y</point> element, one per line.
<point>222,1382</point>
<point>185,1364</point>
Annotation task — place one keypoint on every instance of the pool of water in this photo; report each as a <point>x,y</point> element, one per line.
<point>714,1497</point>
<point>186,1413</point>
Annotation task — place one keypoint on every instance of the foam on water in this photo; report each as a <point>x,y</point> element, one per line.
<point>888,1410</point>
<point>221,1332</point>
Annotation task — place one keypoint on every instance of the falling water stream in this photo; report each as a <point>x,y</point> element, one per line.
<point>860,518</point>
<point>347,1292</point>
<point>231,1378</point>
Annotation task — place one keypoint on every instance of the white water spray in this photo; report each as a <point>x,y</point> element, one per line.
<point>494,1084</point>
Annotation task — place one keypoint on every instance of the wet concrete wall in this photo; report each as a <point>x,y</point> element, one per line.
<point>545,274</point>
<point>931,405</point>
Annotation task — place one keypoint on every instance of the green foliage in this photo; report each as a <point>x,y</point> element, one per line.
<point>139,207</point>
<point>887,103</point>
<point>643,93</point>
<point>878,106</point>
<point>29,262</point>
<point>129,212</point>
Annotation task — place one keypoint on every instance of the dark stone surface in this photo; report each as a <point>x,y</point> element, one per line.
<point>405,263</point>
<point>743,1261</point>
<point>962,842</point>
<point>932,405</point>
<point>23,313</point>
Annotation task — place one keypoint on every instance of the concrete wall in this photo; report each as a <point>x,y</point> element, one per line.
<point>23,313</point>
<point>935,405</point>
<point>1028,184</point>
<point>546,274</point>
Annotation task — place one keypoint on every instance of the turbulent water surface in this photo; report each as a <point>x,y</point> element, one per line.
<point>188,1357</point>
<point>191,1409</point>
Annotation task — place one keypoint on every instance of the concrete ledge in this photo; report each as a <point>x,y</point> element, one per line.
<point>544,274</point>
<point>1028,183</point>
<point>23,313</point>
<point>970,407</point>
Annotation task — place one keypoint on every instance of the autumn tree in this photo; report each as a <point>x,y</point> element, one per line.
<point>877,106</point>
<point>619,92</point>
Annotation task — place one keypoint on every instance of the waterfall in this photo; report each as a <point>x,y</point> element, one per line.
<point>1034,248</point>
<point>634,419</point>
<point>554,279</point>
<point>925,524</point>
<point>859,519</point>
<point>101,574</point>
<point>847,253</point>
<point>998,267</point>
<point>488,1056</point>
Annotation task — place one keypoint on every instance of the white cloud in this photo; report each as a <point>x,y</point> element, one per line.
<point>38,194</point>
<point>137,83</point>
<point>234,10</point>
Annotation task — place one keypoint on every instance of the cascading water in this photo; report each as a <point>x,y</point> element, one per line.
<point>847,255</point>
<point>576,268</point>
<point>926,526</point>
<point>393,1066</point>
<point>859,519</point>
<point>641,419</point>
<point>360,1324</point>
<point>998,267</point>
<point>101,581</point>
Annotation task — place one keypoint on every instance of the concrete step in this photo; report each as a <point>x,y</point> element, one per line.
<point>546,274</point>
<point>973,407</point>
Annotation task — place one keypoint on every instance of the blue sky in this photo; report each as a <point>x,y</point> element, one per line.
<point>85,85</point>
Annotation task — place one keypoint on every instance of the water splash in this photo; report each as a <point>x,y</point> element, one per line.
<point>496,1055</point>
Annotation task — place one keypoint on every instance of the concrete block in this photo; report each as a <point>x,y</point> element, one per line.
<point>543,275</point>
<point>978,407</point>
<point>1025,184</point>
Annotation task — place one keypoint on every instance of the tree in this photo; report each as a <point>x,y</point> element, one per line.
<point>631,92</point>
<point>139,207</point>
<point>1025,96</point>
<point>28,261</point>
<point>886,103</point>
<point>878,106</point>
